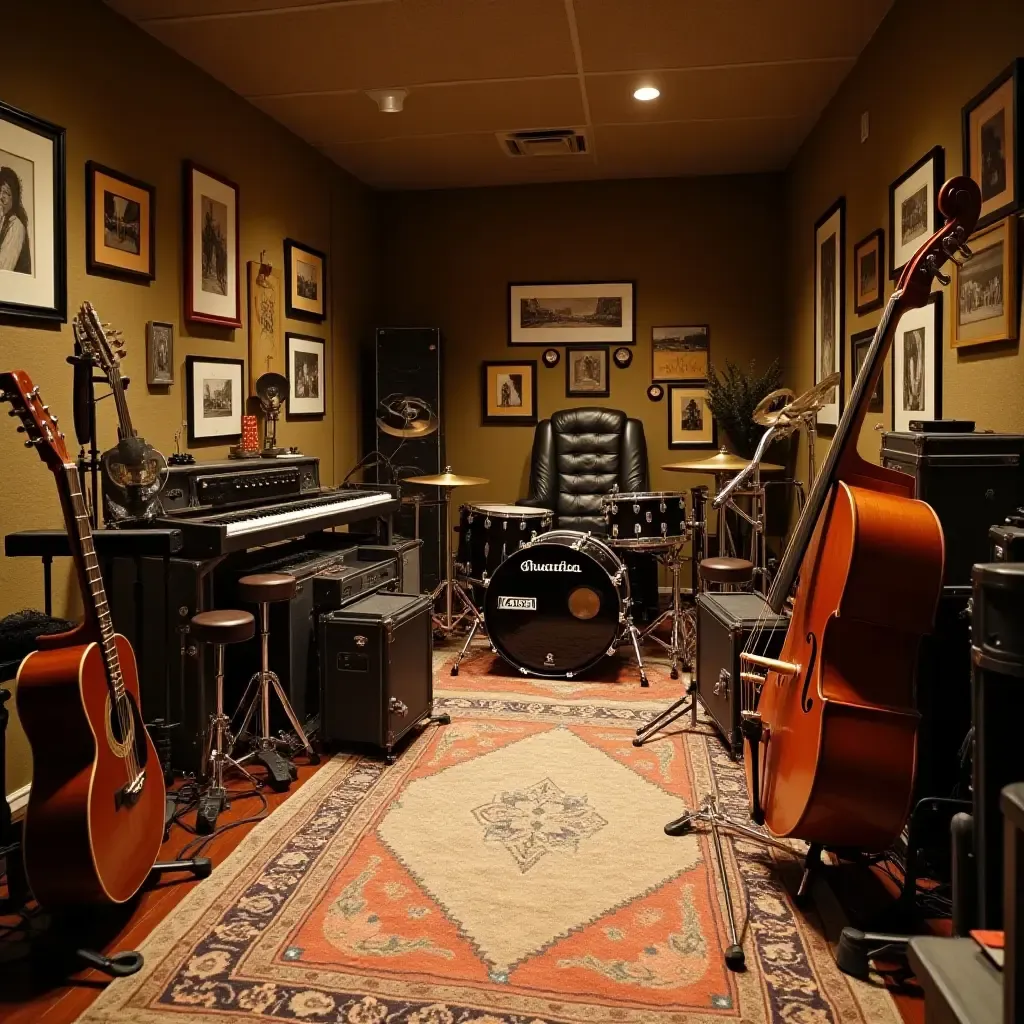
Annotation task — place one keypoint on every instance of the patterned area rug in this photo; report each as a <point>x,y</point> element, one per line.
<point>510,868</point>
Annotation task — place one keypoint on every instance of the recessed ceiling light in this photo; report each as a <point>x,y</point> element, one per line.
<point>646,93</point>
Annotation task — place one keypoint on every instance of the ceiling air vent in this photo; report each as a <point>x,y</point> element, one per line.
<point>547,142</point>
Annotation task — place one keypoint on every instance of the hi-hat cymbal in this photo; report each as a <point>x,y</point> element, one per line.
<point>722,462</point>
<point>447,479</point>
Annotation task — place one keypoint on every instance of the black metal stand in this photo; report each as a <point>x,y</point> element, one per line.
<point>686,704</point>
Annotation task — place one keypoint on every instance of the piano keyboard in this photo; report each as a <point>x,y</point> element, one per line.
<point>294,513</point>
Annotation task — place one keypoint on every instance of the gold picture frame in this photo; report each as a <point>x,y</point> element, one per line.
<point>985,288</point>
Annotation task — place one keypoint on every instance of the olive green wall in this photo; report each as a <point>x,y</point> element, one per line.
<point>701,250</point>
<point>128,102</point>
<point>927,59</point>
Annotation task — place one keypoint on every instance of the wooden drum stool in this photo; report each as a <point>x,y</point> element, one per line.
<point>728,573</point>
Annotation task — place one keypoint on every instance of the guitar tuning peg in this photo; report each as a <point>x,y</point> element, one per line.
<point>933,269</point>
<point>12,412</point>
<point>21,430</point>
<point>30,444</point>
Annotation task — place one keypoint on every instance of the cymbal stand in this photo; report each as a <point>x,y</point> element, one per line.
<point>449,620</point>
<point>677,646</point>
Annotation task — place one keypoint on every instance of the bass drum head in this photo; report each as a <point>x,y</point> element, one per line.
<point>552,609</point>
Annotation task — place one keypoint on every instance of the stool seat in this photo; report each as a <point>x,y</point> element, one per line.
<point>267,587</point>
<point>223,626</point>
<point>726,570</point>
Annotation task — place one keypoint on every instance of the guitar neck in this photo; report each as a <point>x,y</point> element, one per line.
<point>124,417</point>
<point>90,579</point>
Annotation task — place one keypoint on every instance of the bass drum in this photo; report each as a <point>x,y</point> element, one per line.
<point>557,605</point>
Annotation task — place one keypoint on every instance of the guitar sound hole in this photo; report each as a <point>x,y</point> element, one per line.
<point>125,729</point>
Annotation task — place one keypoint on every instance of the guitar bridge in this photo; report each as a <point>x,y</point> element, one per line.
<point>128,795</point>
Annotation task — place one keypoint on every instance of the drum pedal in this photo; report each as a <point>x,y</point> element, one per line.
<point>280,771</point>
<point>211,803</point>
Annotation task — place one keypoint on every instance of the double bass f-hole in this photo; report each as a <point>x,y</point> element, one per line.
<point>807,702</point>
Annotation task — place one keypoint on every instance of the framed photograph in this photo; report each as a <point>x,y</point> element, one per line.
<point>33,218</point>
<point>991,142</point>
<point>572,314</point>
<point>307,378</point>
<point>216,398</point>
<point>508,393</point>
<point>859,345</point>
<point>829,303</point>
<point>869,273</point>
<point>159,354</point>
<point>986,288</point>
<point>917,365</point>
<point>690,423</point>
<point>305,274</point>
<point>586,372</point>
<point>913,208</point>
<point>120,225</point>
<point>265,317</point>
<point>680,353</point>
<point>212,288</point>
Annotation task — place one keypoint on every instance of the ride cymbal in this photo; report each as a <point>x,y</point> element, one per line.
<point>722,462</point>
<point>447,479</point>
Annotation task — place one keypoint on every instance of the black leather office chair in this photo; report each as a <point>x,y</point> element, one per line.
<point>579,455</point>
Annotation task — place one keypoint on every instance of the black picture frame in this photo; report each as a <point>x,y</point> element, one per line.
<point>825,425</point>
<point>190,365</point>
<point>605,354</point>
<point>878,238</point>
<point>96,266</point>
<point>936,155</point>
<point>233,319</point>
<point>934,300</point>
<point>670,390</point>
<point>1015,73</point>
<point>487,419</point>
<point>292,308</point>
<point>154,378</point>
<point>308,340</point>
<point>567,338</point>
<point>861,342</point>
<point>57,311</point>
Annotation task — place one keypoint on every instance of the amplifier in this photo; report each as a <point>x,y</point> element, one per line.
<point>1007,543</point>
<point>724,623</point>
<point>409,555</point>
<point>376,657</point>
<point>341,584</point>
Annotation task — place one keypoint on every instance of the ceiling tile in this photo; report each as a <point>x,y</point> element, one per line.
<point>751,90</point>
<point>649,34</point>
<point>434,110</point>
<point>368,46</point>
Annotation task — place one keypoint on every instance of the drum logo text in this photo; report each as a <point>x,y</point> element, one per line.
<point>531,566</point>
<point>518,604</point>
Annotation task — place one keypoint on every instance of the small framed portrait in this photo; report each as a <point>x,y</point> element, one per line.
<point>212,287</point>
<point>215,398</point>
<point>33,224</point>
<point>572,314</point>
<point>159,354</point>
<point>913,209</point>
<point>829,304</point>
<point>869,273</point>
<point>991,143</point>
<point>680,353</point>
<point>508,393</point>
<point>859,345</point>
<point>917,365</point>
<point>307,381</point>
<point>120,225</point>
<point>305,275</point>
<point>551,358</point>
<point>986,287</point>
<point>690,423</point>
<point>586,372</point>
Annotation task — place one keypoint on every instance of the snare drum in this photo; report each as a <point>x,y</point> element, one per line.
<point>488,534</point>
<point>645,519</point>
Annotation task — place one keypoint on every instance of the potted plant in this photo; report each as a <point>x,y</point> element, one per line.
<point>733,397</point>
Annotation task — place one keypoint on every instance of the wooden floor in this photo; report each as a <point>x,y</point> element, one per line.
<point>26,997</point>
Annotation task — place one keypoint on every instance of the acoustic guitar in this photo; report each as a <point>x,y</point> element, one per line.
<point>96,807</point>
<point>832,733</point>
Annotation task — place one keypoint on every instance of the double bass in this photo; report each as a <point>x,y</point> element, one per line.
<point>830,725</point>
<point>95,814</point>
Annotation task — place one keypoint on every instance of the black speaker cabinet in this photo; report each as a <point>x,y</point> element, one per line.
<point>971,480</point>
<point>408,362</point>
<point>377,662</point>
<point>724,624</point>
<point>997,654</point>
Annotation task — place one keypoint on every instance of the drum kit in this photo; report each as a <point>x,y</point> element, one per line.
<point>553,602</point>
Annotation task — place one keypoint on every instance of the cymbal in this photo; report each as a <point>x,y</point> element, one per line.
<point>447,479</point>
<point>773,408</point>
<point>722,462</point>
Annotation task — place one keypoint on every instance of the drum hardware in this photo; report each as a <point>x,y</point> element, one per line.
<point>448,621</point>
